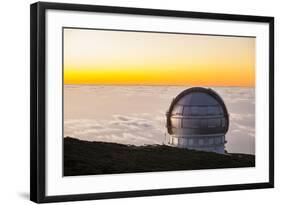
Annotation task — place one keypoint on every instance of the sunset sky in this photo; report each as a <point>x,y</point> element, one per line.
<point>142,58</point>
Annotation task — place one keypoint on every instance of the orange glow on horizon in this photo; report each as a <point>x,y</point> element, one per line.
<point>136,58</point>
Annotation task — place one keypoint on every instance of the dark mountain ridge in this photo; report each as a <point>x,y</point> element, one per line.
<point>90,158</point>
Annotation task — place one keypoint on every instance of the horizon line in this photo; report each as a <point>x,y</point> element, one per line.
<point>87,84</point>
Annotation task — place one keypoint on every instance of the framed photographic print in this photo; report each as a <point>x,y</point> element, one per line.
<point>129,102</point>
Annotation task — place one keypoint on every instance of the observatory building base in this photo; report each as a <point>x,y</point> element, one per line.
<point>207,144</point>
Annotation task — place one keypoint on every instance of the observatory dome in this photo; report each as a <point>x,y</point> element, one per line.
<point>198,119</point>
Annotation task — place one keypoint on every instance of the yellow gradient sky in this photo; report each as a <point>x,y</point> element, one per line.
<point>130,58</point>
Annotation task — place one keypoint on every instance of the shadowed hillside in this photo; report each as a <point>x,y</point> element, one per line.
<point>89,158</point>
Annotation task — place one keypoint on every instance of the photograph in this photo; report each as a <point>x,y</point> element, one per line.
<point>147,101</point>
<point>136,102</point>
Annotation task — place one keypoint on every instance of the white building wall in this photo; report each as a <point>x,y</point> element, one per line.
<point>202,143</point>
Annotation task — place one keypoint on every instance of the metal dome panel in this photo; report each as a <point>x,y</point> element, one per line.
<point>197,99</point>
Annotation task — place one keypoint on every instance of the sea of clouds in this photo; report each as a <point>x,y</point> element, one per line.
<point>136,114</point>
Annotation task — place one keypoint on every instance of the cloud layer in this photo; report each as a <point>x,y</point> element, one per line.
<point>121,129</point>
<point>136,114</point>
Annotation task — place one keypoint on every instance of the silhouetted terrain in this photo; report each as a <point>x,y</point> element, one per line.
<point>89,158</point>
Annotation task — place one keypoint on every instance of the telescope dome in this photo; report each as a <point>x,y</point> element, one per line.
<point>198,119</point>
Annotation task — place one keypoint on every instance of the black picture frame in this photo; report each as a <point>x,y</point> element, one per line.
<point>38,100</point>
